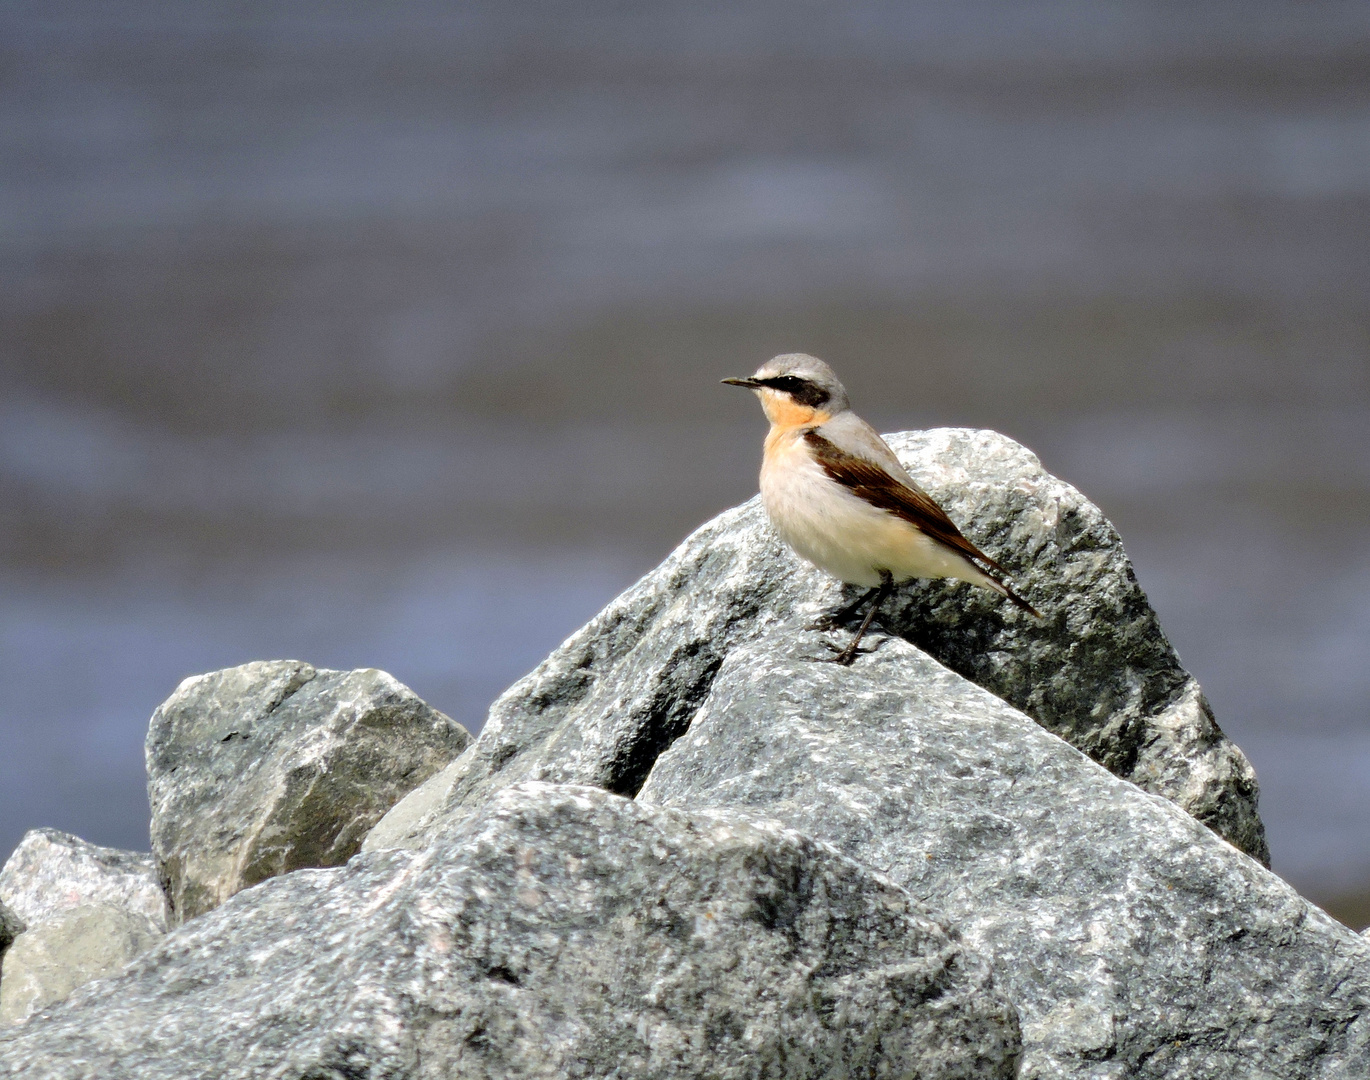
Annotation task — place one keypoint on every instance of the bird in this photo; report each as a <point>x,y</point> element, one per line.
<point>836,494</point>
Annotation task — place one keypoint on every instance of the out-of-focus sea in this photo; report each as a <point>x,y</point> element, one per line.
<point>390,335</point>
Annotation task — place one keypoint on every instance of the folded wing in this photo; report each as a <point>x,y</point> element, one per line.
<point>871,482</point>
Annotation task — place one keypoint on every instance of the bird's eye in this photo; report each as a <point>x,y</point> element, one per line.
<point>802,390</point>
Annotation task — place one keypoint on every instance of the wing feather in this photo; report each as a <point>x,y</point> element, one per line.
<point>875,485</point>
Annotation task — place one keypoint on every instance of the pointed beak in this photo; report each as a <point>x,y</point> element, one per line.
<point>750,384</point>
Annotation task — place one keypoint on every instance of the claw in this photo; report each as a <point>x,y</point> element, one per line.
<point>847,656</point>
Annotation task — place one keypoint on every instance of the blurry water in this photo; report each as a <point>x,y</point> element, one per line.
<point>84,666</point>
<point>1250,535</point>
<point>392,337</point>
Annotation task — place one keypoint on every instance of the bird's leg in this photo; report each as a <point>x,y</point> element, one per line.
<point>882,591</point>
<point>837,618</point>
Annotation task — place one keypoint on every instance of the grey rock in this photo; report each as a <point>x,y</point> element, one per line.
<point>79,944</point>
<point>412,812</point>
<point>1134,942</point>
<point>85,911</point>
<point>1097,670</point>
<point>51,872</point>
<point>269,767</point>
<point>558,932</point>
<point>11,926</point>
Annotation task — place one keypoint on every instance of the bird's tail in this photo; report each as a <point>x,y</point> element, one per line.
<point>1007,589</point>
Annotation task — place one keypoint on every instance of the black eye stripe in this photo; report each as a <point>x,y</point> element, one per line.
<point>802,390</point>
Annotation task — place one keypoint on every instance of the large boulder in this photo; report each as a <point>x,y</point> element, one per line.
<point>1097,670</point>
<point>84,912</point>
<point>1134,942</point>
<point>557,932</point>
<point>269,767</point>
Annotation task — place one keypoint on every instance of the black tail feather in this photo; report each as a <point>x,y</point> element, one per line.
<point>1018,600</point>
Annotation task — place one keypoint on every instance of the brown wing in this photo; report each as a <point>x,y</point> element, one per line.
<point>872,483</point>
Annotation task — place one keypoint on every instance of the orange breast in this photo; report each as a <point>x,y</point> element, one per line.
<point>786,414</point>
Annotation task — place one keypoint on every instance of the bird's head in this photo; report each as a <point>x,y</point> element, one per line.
<point>796,390</point>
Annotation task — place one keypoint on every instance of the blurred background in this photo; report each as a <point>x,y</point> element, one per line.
<point>390,335</point>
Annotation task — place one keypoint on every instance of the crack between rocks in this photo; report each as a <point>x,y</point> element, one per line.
<point>669,717</point>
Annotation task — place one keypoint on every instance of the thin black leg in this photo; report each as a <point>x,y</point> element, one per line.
<point>837,618</point>
<point>882,592</point>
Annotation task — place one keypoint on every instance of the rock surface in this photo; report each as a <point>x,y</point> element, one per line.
<point>1097,670</point>
<point>51,872</point>
<point>76,945</point>
<point>257,770</point>
<point>1133,941</point>
<point>11,926</point>
<point>1100,671</point>
<point>557,932</point>
<point>86,911</point>
<point>413,814</point>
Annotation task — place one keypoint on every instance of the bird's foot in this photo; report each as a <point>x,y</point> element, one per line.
<point>847,656</point>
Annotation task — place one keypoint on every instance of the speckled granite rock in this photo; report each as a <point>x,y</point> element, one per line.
<point>87,909</point>
<point>1097,670</point>
<point>49,961</point>
<point>269,767</point>
<point>413,815</point>
<point>52,871</point>
<point>1133,941</point>
<point>559,932</point>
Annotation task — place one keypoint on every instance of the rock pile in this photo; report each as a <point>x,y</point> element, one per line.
<point>685,846</point>
<point>1124,931</point>
<point>1097,670</point>
<point>252,772</point>
<point>558,931</point>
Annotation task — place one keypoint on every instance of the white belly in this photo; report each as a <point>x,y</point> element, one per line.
<point>843,534</point>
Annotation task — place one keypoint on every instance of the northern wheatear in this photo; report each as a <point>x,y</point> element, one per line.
<point>838,496</point>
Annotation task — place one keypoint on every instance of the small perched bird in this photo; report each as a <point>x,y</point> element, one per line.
<point>836,493</point>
